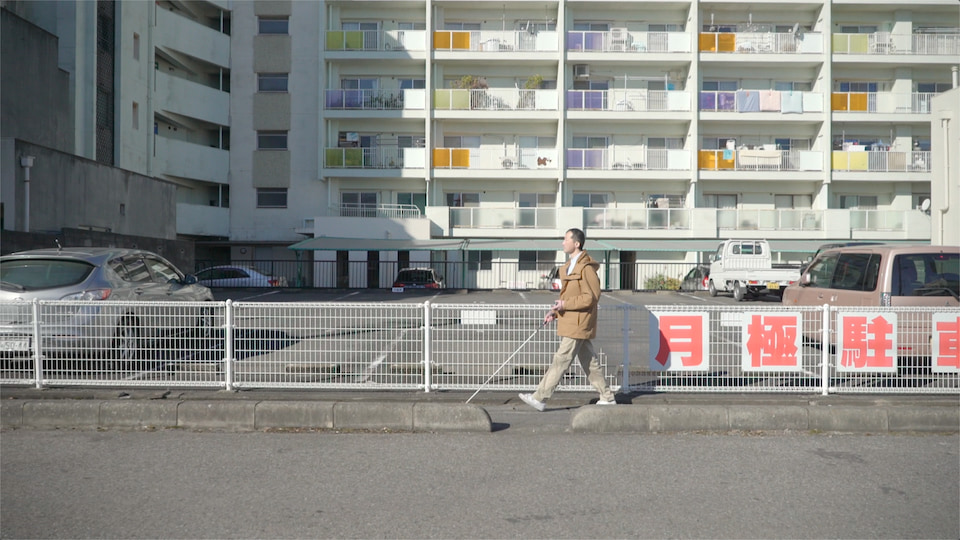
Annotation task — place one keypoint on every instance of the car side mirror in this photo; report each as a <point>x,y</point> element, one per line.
<point>189,279</point>
<point>805,280</point>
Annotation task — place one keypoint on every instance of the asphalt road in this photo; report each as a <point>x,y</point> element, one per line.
<point>181,484</point>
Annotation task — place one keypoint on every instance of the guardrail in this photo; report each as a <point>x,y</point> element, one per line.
<point>424,346</point>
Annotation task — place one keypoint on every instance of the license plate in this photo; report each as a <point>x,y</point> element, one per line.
<point>14,345</point>
<point>773,285</point>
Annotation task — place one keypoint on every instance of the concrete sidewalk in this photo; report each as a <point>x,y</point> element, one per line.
<point>106,408</point>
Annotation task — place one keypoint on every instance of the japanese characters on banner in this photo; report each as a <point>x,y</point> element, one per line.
<point>679,341</point>
<point>945,345</point>
<point>867,342</point>
<point>772,342</point>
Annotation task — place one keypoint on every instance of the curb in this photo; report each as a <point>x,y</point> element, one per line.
<point>243,415</point>
<point>831,418</point>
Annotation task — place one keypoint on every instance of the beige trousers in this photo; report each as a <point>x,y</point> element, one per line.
<point>569,348</point>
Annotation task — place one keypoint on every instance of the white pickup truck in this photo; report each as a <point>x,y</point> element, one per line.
<point>744,268</point>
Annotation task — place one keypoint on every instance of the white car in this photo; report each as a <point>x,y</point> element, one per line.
<point>238,276</point>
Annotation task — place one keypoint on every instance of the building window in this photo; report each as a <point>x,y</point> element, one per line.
<point>271,140</point>
<point>859,202</point>
<point>136,46</point>
<point>792,201</point>
<point>273,25</point>
<point>413,199</point>
<point>271,197</point>
<point>462,200</point>
<point>480,260</point>
<point>135,115</point>
<point>537,260</point>
<point>590,200</point>
<point>409,84</point>
<point>272,82</point>
<point>359,203</point>
<point>719,200</point>
<point>537,200</point>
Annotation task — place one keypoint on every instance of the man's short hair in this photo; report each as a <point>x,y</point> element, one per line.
<point>578,236</point>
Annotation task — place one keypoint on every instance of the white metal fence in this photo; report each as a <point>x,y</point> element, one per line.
<point>396,346</point>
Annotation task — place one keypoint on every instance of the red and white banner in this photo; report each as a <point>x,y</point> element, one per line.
<point>771,342</point>
<point>945,343</point>
<point>867,342</point>
<point>679,341</point>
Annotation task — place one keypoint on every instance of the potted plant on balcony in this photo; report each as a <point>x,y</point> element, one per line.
<point>478,100</point>
<point>528,98</point>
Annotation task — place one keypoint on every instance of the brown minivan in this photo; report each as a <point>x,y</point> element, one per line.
<point>882,275</point>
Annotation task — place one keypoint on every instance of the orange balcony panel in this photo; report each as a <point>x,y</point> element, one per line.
<point>839,102</point>
<point>460,157</point>
<point>858,102</point>
<point>441,157</point>
<point>461,40</point>
<point>441,40</point>
<point>708,42</point>
<point>726,42</point>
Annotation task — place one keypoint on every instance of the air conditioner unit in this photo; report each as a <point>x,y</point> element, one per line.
<point>581,71</point>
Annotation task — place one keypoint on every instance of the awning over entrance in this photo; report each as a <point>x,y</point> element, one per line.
<point>326,243</point>
<point>642,245</point>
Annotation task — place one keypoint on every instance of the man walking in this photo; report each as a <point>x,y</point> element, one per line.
<point>576,316</point>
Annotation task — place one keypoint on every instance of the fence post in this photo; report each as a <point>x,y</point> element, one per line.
<point>625,378</point>
<point>37,352</point>
<point>228,345</point>
<point>825,351</point>
<point>427,338</point>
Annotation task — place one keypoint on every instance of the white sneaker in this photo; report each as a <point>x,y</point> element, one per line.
<point>604,402</point>
<point>529,400</point>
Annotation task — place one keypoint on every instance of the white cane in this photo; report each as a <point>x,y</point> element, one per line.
<point>506,361</point>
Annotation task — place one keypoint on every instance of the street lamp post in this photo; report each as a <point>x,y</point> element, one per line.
<point>26,162</point>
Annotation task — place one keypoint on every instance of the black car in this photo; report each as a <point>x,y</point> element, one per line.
<point>418,278</point>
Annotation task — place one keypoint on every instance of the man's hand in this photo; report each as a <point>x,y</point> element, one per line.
<point>550,317</point>
<point>557,306</point>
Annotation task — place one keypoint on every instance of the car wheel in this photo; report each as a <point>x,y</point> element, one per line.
<point>712,288</point>
<point>127,341</point>
<point>738,292</point>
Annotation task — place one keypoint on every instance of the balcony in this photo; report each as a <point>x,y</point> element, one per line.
<point>760,101</point>
<point>636,218</point>
<point>776,219</point>
<point>496,41</point>
<point>628,158</point>
<point>389,211</point>
<point>877,220</point>
<point>189,160</point>
<point>882,102</point>
<point>766,158</point>
<point>503,218</point>
<point>177,33</point>
<point>495,157</point>
<point>376,40</point>
<point>375,100</point>
<point>202,220</point>
<point>881,161</point>
<point>494,99</point>
<point>622,40</point>
<point>192,100</point>
<point>885,43</point>
<point>637,100</point>
<point>761,43</point>
<point>385,157</point>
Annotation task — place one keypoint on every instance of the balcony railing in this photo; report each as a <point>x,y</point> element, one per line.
<point>503,218</point>
<point>628,100</point>
<point>376,40</point>
<point>883,43</point>
<point>374,158</point>
<point>636,218</point>
<point>374,99</point>
<point>760,42</point>
<point>391,211</point>
<point>876,220</point>
<point>628,157</point>
<point>761,160</point>
<point>882,102</point>
<point>494,99</point>
<point>760,101</point>
<point>881,161</point>
<point>770,219</point>
<point>495,157</point>
<point>622,40</point>
<point>495,41</point>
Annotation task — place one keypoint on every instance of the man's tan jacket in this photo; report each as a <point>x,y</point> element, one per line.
<point>580,292</point>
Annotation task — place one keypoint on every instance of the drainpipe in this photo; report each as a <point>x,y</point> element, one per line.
<point>26,162</point>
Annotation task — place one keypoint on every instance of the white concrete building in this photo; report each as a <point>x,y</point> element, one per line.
<point>659,127</point>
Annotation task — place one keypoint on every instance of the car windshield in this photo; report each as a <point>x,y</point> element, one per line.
<point>37,274</point>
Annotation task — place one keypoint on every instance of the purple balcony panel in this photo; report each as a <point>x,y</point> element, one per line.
<point>574,99</point>
<point>708,101</point>
<point>593,41</point>
<point>593,100</point>
<point>353,99</point>
<point>727,101</point>
<point>574,158</point>
<point>593,159</point>
<point>334,99</point>
<point>574,41</point>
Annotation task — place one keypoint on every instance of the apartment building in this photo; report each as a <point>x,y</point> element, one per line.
<point>659,128</point>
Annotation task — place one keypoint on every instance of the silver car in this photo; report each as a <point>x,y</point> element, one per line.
<point>104,320</point>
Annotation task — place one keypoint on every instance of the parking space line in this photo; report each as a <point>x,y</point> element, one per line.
<point>259,295</point>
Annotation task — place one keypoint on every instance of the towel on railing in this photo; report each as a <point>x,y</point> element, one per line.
<point>769,100</point>
<point>748,101</point>
<point>791,102</point>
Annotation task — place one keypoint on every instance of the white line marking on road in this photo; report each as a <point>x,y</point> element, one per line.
<point>259,295</point>
<point>688,295</point>
<point>346,296</point>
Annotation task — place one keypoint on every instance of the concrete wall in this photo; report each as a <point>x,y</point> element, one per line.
<point>179,252</point>
<point>71,192</point>
<point>945,186</point>
<point>35,103</point>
